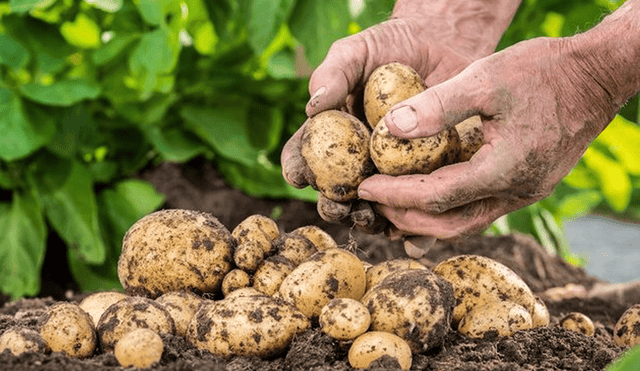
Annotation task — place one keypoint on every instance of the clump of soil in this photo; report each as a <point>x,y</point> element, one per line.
<point>197,186</point>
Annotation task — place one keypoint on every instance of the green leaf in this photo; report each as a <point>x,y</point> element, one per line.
<point>19,136</point>
<point>83,32</point>
<point>578,204</point>
<point>205,39</point>
<point>152,11</point>
<point>61,93</point>
<point>156,54</point>
<point>581,177</point>
<point>12,53</point>
<point>281,65</point>
<point>264,18</point>
<point>629,360</point>
<point>21,6</point>
<point>265,126</point>
<point>374,12</point>
<point>22,245</point>
<point>614,181</point>
<point>110,6</point>
<point>113,48</point>
<point>317,24</point>
<point>174,144</point>
<point>621,138</point>
<point>75,128</point>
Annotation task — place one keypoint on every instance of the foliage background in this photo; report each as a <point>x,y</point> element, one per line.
<point>92,91</point>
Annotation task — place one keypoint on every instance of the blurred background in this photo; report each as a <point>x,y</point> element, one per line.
<point>93,91</point>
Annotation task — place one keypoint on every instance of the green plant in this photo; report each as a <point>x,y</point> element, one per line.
<point>628,361</point>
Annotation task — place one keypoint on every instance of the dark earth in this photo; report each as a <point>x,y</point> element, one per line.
<point>198,186</point>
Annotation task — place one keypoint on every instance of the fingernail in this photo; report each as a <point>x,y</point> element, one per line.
<point>405,118</point>
<point>364,194</point>
<point>314,100</point>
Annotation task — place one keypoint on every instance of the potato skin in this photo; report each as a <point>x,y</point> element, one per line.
<point>22,340</point>
<point>335,146</point>
<point>140,348</point>
<point>378,272</point>
<point>578,322</point>
<point>505,318</point>
<point>372,345</point>
<point>295,247</point>
<point>173,250</point>
<point>68,329</point>
<point>344,319</point>
<point>270,274</point>
<point>96,303</point>
<point>471,137</point>
<point>320,238</point>
<point>182,306</point>
<point>624,332</point>
<point>258,229</point>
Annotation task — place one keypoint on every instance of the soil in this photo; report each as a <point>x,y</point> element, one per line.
<point>198,186</point>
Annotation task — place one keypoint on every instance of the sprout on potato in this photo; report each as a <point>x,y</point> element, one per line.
<point>68,329</point>
<point>140,348</point>
<point>373,345</point>
<point>344,319</point>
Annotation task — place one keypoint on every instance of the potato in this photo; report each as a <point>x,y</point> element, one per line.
<point>140,348</point>
<point>248,256</point>
<point>95,304</point>
<point>372,345</point>
<point>182,306</point>
<point>259,229</point>
<point>478,280</point>
<point>173,250</point>
<point>129,314</point>
<point>244,292</point>
<point>259,326</point>
<point>578,322</point>
<point>294,247</point>
<point>344,319</point>
<point>335,147</point>
<point>625,332</point>
<point>387,86</point>
<point>380,271</point>
<point>22,340</point>
<point>328,274</point>
<point>540,316</point>
<point>236,279</point>
<point>414,304</point>
<point>270,274</point>
<point>321,239</point>
<point>395,156</point>
<point>471,137</point>
<point>68,329</point>
<point>504,318</point>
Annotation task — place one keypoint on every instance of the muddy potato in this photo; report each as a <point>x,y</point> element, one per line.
<point>130,314</point>
<point>270,274</point>
<point>372,345</point>
<point>344,319</point>
<point>182,306</point>
<point>258,229</point>
<point>173,250</point>
<point>248,256</point>
<point>335,147</point>
<point>259,326</point>
<point>328,274</point>
<point>22,340</point>
<point>320,238</point>
<point>140,348</point>
<point>578,322</point>
<point>504,318</point>
<point>68,329</point>
<point>387,86</point>
<point>378,272</point>
<point>244,292</point>
<point>471,138</point>
<point>540,316</point>
<point>414,304</point>
<point>625,332</point>
<point>236,279</point>
<point>478,280</point>
<point>95,304</point>
<point>295,247</point>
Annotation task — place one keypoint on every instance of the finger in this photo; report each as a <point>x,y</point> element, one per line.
<point>366,220</point>
<point>294,166</point>
<point>331,211</point>
<point>417,246</point>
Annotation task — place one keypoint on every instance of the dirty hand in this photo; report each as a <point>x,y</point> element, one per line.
<point>541,101</point>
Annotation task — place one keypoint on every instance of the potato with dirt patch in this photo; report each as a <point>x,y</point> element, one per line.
<point>96,303</point>
<point>344,319</point>
<point>295,247</point>
<point>270,274</point>
<point>68,329</point>
<point>259,326</point>
<point>578,322</point>
<point>471,138</point>
<point>140,348</point>
<point>378,272</point>
<point>173,250</point>
<point>335,147</point>
<point>236,279</point>
<point>540,316</point>
<point>182,306</point>
<point>22,340</point>
<point>320,238</point>
<point>626,332</point>
<point>372,345</point>
<point>503,318</point>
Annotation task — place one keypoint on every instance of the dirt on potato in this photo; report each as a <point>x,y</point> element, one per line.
<point>198,186</point>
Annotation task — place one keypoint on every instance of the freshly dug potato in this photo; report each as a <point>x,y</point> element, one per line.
<point>478,280</point>
<point>259,326</point>
<point>396,156</point>
<point>414,304</point>
<point>270,274</point>
<point>95,304</point>
<point>387,86</point>
<point>244,292</point>
<point>328,274</point>
<point>295,247</point>
<point>503,318</point>
<point>578,322</point>
<point>68,329</point>
<point>173,250</point>
<point>182,306</point>
<point>471,137</point>
<point>625,332</point>
<point>344,319</point>
<point>320,238</point>
<point>372,345</point>
<point>140,348</point>
<point>248,256</point>
<point>540,316</point>
<point>130,314</point>
<point>236,279</point>
<point>380,271</point>
<point>335,146</point>
<point>258,229</point>
<point>22,340</point>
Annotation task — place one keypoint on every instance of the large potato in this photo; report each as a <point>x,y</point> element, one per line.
<point>415,305</point>
<point>380,271</point>
<point>259,326</point>
<point>335,146</point>
<point>68,329</point>
<point>173,250</point>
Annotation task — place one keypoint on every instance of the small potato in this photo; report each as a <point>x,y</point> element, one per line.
<point>578,322</point>
<point>68,329</point>
<point>504,318</point>
<point>173,250</point>
<point>540,316</point>
<point>294,247</point>
<point>387,86</point>
<point>270,274</point>
<point>140,348</point>
<point>321,239</point>
<point>344,319</point>
<point>182,306</point>
<point>380,271</point>
<point>22,340</point>
<point>129,314</point>
<point>478,280</point>
<point>248,256</point>
<point>414,304</point>
<point>95,304</point>
<point>335,147</point>
<point>328,274</point>
<point>471,137</point>
<point>372,345</point>
<point>259,326</point>
<point>626,331</point>
<point>236,279</point>
<point>259,229</point>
